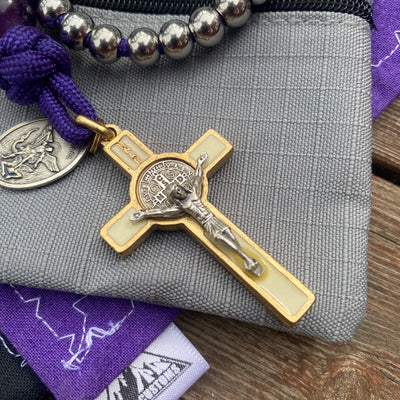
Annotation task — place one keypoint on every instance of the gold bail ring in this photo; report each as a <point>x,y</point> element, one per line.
<point>97,127</point>
<point>102,132</point>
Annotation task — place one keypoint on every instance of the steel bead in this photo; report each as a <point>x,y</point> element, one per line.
<point>103,43</point>
<point>49,10</point>
<point>74,28</point>
<point>143,47</point>
<point>176,39</point>
<point>206,26</point>
<point>234,12</point>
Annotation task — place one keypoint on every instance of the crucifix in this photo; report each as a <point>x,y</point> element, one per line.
<point>169,191</point>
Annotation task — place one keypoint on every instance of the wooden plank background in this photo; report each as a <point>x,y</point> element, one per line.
<point>252,362</point>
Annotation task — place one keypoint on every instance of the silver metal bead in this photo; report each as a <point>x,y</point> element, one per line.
<point>143,47</point>
<point>74,28</point>
<point>49,10</point>
<point>234,12</point>
<point>206,26</point>
<point>258,2</point>
<point>103,43</point>
<point>176,39</point>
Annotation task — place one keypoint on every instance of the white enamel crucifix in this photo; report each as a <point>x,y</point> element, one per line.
<point>169,191</point>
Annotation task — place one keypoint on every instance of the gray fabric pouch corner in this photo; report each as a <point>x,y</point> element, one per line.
<point>291,92</point>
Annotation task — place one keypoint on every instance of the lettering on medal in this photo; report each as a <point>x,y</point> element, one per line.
<point>158,176</point>
<point>33,154</point>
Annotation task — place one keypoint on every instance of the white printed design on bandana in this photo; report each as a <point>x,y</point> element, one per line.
<point>85,337</point>
<point>16,355</point>
<point>378,64</point>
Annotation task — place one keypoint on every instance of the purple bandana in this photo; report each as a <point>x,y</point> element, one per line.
<point>78,344</point>
<point>385,54</point>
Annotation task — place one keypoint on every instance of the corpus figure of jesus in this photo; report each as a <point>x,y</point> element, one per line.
<point>188,201</point>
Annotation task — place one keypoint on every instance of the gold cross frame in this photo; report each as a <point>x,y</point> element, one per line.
<point>276,288</point>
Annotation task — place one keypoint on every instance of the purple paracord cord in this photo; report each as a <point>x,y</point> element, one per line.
<point>35,68</point>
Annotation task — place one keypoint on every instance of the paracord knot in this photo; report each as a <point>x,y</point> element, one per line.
<point>35,68</point>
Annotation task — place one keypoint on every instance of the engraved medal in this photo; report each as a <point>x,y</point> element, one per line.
<point>33,154</point>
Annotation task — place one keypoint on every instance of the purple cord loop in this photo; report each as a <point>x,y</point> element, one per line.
<point>35,68</point>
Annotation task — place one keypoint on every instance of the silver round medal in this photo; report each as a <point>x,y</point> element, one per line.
<point>158,176</point>
<point>33,154</point>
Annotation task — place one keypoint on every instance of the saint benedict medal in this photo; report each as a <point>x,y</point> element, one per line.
<point>169,191</point>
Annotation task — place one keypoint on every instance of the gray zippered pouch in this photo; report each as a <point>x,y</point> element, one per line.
<point>291,92</point>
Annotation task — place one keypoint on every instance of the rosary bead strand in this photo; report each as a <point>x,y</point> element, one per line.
<point>144,47</point>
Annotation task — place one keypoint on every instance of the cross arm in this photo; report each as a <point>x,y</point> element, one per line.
<point>199,173</point>
<point>144,213</point>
